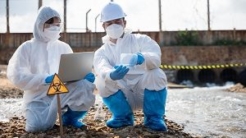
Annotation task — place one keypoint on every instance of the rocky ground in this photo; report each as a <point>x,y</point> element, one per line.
<point>95,128</point>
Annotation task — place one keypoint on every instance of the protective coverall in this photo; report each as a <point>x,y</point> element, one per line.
<point>144,86</point>
<point>28,68</point>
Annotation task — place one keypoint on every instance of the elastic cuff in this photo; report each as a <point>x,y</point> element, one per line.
<point>108,78</point>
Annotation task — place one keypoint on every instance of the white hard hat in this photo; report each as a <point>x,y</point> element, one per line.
<point>112,11</point>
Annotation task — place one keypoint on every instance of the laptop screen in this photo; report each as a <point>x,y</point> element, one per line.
<point>74,66</point>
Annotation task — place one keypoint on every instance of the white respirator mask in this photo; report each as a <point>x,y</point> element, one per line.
<point>52,33</point>
<point>114,31</point>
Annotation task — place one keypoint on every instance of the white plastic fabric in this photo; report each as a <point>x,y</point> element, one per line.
<point>44,14</point>
<point>31,63</point>
<point>148,75</point>
<point>112,11</point>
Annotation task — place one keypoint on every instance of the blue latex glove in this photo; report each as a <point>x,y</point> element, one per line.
<point>119,72</point>
<point>49,79</point>
<point>90,77</point>
<point>137,59</point>
<point>133,60</point>
<point>140,59</point>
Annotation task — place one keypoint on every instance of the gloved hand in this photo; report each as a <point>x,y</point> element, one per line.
<point>119,72</point>
<point>49,79</point>
<point>140,59</point>
<point>137,59</point>
<point>90,77</point>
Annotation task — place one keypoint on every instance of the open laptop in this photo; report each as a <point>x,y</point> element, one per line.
<point>74,66</point>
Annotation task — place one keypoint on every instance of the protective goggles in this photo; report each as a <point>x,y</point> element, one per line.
<point>53,24</point>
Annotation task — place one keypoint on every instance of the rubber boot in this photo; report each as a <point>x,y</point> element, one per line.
<point>122,114</point>
<point>74,118</point>
<point>154,109</point>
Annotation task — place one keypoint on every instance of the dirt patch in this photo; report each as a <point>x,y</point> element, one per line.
<point>237,88</point>
<point>95,128</point>
<point>8,90</point>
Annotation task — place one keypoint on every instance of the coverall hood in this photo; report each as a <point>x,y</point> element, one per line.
<point>44,14</point>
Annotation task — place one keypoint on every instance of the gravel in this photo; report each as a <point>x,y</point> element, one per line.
<point>95,128</point>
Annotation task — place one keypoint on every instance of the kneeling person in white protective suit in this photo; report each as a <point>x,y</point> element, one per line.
<point>127,88</point>
<point>32,68</point>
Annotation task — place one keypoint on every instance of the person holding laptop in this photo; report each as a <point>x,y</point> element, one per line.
<point>32,68</point>
<point>136,84</point>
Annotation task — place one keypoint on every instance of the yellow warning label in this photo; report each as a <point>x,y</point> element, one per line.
<point>231,65</point>
<point>57,86</point>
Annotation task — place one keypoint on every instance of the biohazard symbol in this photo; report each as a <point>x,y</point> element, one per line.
<point>57,86</point>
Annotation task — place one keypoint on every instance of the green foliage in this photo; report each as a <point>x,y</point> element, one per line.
<point>226,42</point>
<point>187,38</point>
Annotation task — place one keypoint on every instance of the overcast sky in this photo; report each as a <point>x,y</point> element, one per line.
<point>142,15</point>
